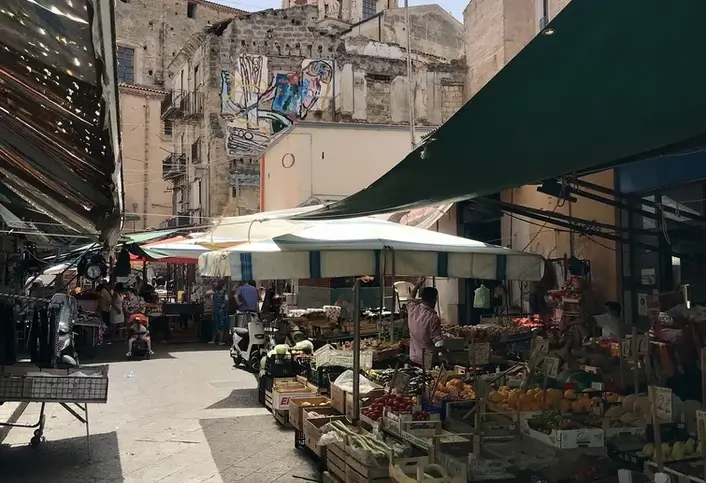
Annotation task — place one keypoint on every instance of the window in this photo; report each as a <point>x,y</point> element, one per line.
<point>369,8</point>
<point>191,10</point>
<point>197,77</point>
<point>167,128</point>
<point>126,65</point>
<point>233,192</point>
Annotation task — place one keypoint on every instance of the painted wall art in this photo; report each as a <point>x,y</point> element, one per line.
<point>258,104</point>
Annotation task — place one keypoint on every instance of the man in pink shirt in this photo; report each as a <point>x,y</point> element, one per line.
<point>424,324</point>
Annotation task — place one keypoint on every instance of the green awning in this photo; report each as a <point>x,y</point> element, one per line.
<point>616,82</point>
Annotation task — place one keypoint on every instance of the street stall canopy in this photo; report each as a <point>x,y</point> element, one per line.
<point>604,84</point>
<point>60,140</point>
<point>343,248</point>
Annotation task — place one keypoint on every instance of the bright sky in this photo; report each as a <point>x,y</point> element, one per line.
<point>454,6</point>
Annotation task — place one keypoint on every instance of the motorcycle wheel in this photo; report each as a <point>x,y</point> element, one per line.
<point>254,362</point>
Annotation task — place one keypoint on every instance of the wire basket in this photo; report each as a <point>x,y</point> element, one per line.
<point>51,387</point>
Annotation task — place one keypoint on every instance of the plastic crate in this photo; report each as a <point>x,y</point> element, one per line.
<point>54,388</point>
<point>279,367</point>
<point>322,377</point>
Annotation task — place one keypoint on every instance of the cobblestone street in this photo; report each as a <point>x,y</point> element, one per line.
<point>184,416</point>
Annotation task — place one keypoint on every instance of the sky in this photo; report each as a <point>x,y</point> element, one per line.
<point>455,7</point>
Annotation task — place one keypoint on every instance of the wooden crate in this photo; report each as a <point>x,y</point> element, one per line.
<point>268,400</point>
<point>312,432</point>
<point>336,461</point>
<point>295,408</point>
<point>331,478</point>
<point>282,417</point>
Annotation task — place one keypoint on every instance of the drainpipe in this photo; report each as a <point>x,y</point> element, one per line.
<point>409,75</point>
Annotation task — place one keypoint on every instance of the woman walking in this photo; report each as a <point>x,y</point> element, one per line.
<point>219,313</point>
<point>117,316</point>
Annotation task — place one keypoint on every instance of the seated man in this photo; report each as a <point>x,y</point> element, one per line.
<point>138,324</point>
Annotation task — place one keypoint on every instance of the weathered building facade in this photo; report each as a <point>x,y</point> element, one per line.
<point>149,34</point>
<point>242,84</point>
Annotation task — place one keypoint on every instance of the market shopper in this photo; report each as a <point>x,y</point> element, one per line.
<point>133,303</point>
<point>219,312</point>
<point>247,297</point>
<point>117,316</point>
<point>104,299</point>
<point>424,323</point>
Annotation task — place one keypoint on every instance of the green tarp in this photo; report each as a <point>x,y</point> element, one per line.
<point>617,81</point>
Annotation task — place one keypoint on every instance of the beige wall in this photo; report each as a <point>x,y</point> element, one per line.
<point>144,147</point>
<point>330,161</point>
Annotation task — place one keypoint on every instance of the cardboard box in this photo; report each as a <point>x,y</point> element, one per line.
<point>312,432</point>
<point>295,408</point>
<point>339,397</point>
<point>283,390</point>
<point>570,438</point>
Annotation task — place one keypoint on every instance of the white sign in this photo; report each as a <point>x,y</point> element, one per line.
<point>643,344</point>
<point>661,397</point>
<point>642,304</point>
<point>551,366</point>
<point>479,353</point>
<point>701,423</point>
<point>541,345</point>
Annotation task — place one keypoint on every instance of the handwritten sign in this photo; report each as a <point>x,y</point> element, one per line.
<point>701,423</point>
<point>400,381</point>
<point>479,353</point>
<point>541,345</point>
<point>626,347</point>
<point>643,344</point>
<point>551,366</point>
<point>661,397</point>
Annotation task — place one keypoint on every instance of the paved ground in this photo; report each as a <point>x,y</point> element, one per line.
<point>185,416</point>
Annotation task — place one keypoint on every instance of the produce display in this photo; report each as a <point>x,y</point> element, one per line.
<point>416,382</point>
<point>484,332</point>
<point>628,411</point>
<point>552,421</point>
<point>364,442</point>
<point>675,452</point>
<point>371,344</point>
<point>454,389</point>
<point>398,403</point>
<point>564,402</point>
<point>528,322</point>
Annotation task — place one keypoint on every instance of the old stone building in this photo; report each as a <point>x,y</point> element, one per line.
<point>242,85</point>
<point>149,34</point>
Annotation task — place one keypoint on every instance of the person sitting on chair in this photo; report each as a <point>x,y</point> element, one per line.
<point>138,326</point>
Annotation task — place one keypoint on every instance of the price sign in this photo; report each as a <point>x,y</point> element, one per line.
<point>701,424</point>
<point>643,344</point>
<point>626,347</point>
<point>661,397</point>
<point>479,353</point>
<point>551,366</point>
<point>400,381</point>
<point>541,345</point>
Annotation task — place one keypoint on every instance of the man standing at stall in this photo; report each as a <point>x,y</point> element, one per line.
<point>424,324</point>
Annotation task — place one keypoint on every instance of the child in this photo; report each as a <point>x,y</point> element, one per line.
<point>138,323</point>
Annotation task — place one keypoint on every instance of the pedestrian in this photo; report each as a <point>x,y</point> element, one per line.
<point>424,325</point>
<point>133,303</point>
<point>117,316</point>
<point>247,297</point>
<point>105,295</point>
<point>219,312</point>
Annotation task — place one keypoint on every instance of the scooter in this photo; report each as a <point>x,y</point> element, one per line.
<point>249,342</point>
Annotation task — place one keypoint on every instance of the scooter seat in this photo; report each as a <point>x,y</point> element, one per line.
<point>240,331</point>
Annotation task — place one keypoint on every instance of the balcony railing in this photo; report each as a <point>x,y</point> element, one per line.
<point>174,166</point>
<point>171,105</point>
<point>196,152</point>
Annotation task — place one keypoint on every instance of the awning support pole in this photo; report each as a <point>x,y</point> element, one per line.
<point>356,350</point>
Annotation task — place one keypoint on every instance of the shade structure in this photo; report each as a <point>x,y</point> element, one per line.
<point>343,248</point>
<point>172,250</point>
<point>615,82</point>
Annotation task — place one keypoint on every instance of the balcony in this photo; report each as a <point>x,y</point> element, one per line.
<point>196,152</point>
<point>173,166</point>
<point>192,104</point>
<point>171,105</point>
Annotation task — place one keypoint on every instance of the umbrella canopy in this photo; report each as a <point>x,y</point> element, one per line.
<point>343,248</point>
<point>172,250</point>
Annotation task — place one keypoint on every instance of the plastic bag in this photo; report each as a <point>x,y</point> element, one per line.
<point>330,437</point>
<point>345,382</point>
<point>481,298</point>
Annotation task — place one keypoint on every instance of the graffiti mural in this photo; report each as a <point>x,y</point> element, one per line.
<point>258,104</point>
